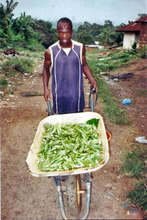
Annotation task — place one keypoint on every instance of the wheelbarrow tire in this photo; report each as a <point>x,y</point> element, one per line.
<point>73,199</point>
<point>78,192</point>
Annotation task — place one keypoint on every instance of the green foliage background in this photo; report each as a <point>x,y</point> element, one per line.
<point>34,34</point>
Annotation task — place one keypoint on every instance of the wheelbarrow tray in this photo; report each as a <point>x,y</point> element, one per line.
<point>66,119</point>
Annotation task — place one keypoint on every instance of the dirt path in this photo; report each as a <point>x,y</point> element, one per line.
<point>29,198</point>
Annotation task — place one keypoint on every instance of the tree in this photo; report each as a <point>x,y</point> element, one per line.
<point>6,13</point>
<point>87,32</point>
<point>47,35</point>
<point>23,31</point>
<point>103,37</point>
<point>108,24</point>
<point>22,25</point>
<point>85,38</point>
<point>85,27</point>
<point>95,29</point>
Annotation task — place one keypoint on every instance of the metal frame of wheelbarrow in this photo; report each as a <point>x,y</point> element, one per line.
<point>86,176</point>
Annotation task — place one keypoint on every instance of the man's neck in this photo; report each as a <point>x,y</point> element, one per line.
<point>68,45</point>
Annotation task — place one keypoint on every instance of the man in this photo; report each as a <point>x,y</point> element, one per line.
<point>66,62</point>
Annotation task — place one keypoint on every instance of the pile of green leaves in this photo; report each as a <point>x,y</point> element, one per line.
<point>70,146</point>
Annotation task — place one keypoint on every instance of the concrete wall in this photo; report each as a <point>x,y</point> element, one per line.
<point>128,40</point>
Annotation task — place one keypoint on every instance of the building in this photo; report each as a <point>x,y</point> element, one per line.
<point>135,31</point>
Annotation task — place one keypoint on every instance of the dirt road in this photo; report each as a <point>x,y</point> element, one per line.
<point>30,198</point>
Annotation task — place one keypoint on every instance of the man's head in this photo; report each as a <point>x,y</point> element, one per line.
<point>64,22</point>
<point>64,31</point>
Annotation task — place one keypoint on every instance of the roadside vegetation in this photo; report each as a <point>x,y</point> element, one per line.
<point>36,34</point>
<point>138,156</point>
<point>110,107</point>
<point>134,164</point>
<point>13,65</point>
<point>107,63</point>
<point>3,83</point>
<point>115,60</point>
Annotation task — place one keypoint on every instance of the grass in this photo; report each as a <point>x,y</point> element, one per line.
<point>14,65</point>
<point>107,63</point>
<point>92,54</point>
<point>115,60</point>
<point>31,54</point>
<point>138,195</point>
<point>133,164</point>
<point>3,83</point>
<point>110,107</point>
<point>143,52</point>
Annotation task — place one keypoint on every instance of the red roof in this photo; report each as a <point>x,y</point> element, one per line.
<point>132,27</point>
<point>143,19</point>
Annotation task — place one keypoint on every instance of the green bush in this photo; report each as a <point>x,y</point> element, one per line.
<point>114,61</point>
<point>138,196</point>
<point>111,109</point>
<point>3,83</point>
<point>133,165</point>
<point>143,52</point>
<point>34,45</point>
<point>14,65</point>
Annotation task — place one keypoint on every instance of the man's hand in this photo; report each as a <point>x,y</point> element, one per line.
<point>47,95</point>
<point>94,84</point>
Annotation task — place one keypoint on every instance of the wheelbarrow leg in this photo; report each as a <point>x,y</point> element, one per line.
<point>58,186</point>
<point>87,180</point>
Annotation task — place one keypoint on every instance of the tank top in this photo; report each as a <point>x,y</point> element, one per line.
<point>67,78</point>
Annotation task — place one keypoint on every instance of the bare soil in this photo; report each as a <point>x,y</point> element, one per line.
<point>25,197</point>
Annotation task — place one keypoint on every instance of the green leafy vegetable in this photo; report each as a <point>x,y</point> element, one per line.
<point>93,121</point>
<point>70,146</point>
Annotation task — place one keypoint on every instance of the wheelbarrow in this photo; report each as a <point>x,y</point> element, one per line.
<point>74,190</point>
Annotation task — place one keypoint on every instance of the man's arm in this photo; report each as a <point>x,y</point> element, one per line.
<point>46,74</point>
<point>87,71</point>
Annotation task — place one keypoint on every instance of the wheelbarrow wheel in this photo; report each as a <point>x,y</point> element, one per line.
<point>78,192</point>
<point>73,196</point>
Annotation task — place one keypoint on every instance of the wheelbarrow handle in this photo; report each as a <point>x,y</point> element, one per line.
<point>49,108</point>
<point>92,90</point>
<point>91,101</point>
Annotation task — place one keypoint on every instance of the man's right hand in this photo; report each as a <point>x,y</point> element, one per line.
<point>47,95</point>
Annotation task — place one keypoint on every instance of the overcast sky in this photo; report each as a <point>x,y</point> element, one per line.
<point>93,11</point>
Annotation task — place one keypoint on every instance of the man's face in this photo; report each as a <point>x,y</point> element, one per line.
<point>64,32</point>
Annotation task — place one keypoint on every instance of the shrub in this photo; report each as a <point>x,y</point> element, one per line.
<point>3,83</point>
<point>14,65</point>
<point>138,195</point>
<point>133,165</point>
<point>143,52</point>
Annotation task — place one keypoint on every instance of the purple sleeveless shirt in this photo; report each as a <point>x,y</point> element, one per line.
<point>67,79</point>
